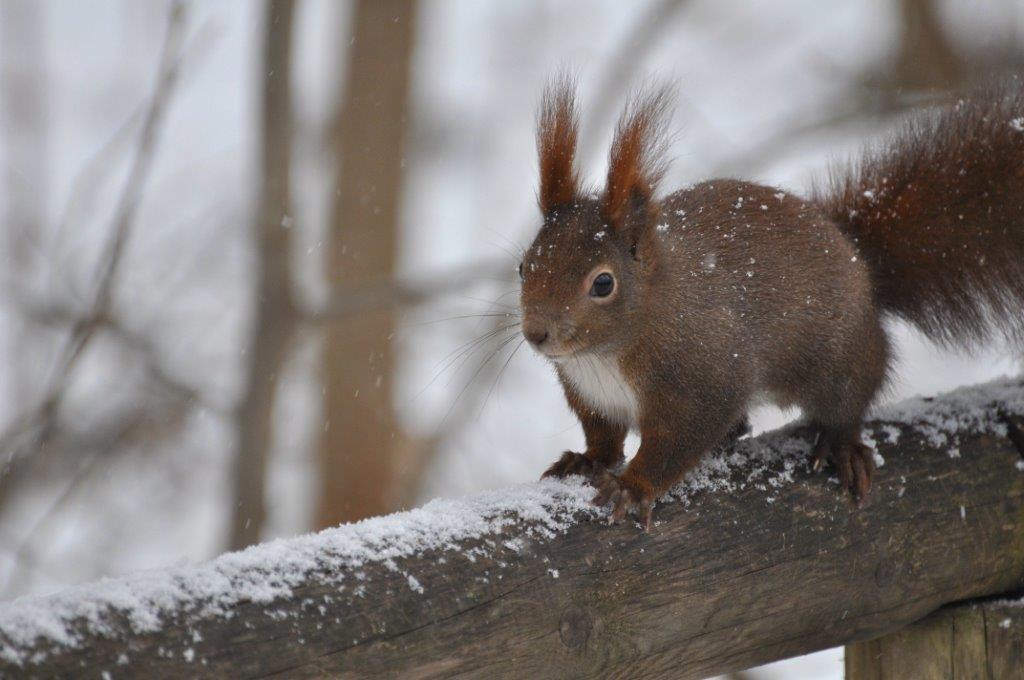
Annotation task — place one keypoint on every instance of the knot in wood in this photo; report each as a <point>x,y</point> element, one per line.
<point>575,627</point>
<point>885,572</point>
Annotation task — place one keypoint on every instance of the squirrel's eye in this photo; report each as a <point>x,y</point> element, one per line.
<point>603,285</point>
<point>520,271</point>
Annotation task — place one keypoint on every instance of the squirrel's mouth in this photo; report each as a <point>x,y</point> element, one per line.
<point>559,357</point>
<point>557,353</point>
<point>562,352</point>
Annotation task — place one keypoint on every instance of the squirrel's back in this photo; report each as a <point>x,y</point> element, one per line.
<point>938,214</point>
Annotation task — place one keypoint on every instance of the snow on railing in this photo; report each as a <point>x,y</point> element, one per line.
<point>751,559</point>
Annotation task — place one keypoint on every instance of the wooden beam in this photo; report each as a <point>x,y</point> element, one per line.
<point>760,560</point>
<point>975,640</point>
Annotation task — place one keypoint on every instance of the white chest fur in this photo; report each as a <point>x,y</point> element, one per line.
<point>600,385</point>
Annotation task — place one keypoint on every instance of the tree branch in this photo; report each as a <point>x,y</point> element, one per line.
<point>31,429</point>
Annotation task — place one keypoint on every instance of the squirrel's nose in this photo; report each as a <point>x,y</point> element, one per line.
<point>535,332</point>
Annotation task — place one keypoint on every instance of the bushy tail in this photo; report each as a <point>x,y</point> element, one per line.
<point>938,214</point>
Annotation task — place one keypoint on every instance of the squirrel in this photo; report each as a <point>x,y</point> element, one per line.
<point>671,315</point>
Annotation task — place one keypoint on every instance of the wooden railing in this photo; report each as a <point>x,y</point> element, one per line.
<point>755,560</point>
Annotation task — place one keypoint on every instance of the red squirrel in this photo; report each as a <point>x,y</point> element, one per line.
<point>672,315</point>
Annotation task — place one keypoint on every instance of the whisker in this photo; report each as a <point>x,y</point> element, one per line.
<point>502,342</point>
<point>494,302</point>
<point>519,249</point>
<point>471,345</point>
<point>476,373</point>
<point>505,249</point>
<point>497,378</point>
<point>464,350</point>
<point>486,315</point>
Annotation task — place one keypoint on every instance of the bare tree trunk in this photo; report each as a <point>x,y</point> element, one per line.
<point>275,316</point>
<point>23,125</point>
<point>927,58</point>
<point>357,447</point>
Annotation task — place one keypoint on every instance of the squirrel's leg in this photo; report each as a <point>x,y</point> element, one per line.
<point>739,430</point>
<point>836,407</point>
<point>604,444</point>
<point>675,434</point>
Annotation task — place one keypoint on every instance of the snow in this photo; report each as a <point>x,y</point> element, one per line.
<point>892,433</point>
<point>541,511</point>
<point>271,571</point>
<point>965,409</point>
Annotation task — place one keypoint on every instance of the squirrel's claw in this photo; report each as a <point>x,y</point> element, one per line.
<point>572,463</point>
<point>818,458</point>
<point>611,489</point>
<point>854,462</point>
<point>862,460</point>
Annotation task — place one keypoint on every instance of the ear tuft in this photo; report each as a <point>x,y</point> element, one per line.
<point>557,132</point>
<point>639,153</point>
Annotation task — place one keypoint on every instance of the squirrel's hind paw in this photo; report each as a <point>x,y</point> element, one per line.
<point>854,461</point>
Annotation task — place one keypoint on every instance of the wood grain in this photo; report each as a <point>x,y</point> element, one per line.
<point>968,641</point>
<point>733,580</point>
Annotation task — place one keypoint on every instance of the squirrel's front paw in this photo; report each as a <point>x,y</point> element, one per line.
<point>624,495</point>
<point>572,463</point>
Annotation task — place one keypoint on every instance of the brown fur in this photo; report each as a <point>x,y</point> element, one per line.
<point>730,292</point>
<point>939,215</point>
<point>638,157</point>
<point>557,133</point>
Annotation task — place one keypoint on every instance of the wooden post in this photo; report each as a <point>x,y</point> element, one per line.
<point>977,641</point>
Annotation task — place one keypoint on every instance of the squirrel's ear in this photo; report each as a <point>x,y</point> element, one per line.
<point>557,131</point>
<point>638,157</point>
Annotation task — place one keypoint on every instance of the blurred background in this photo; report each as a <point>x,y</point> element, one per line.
<point>256,258</point>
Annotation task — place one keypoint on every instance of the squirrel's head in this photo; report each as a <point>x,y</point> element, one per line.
<point>583,275</point>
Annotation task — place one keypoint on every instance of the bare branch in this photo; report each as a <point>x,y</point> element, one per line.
<point>348,302</point>
<point>31,429</point>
